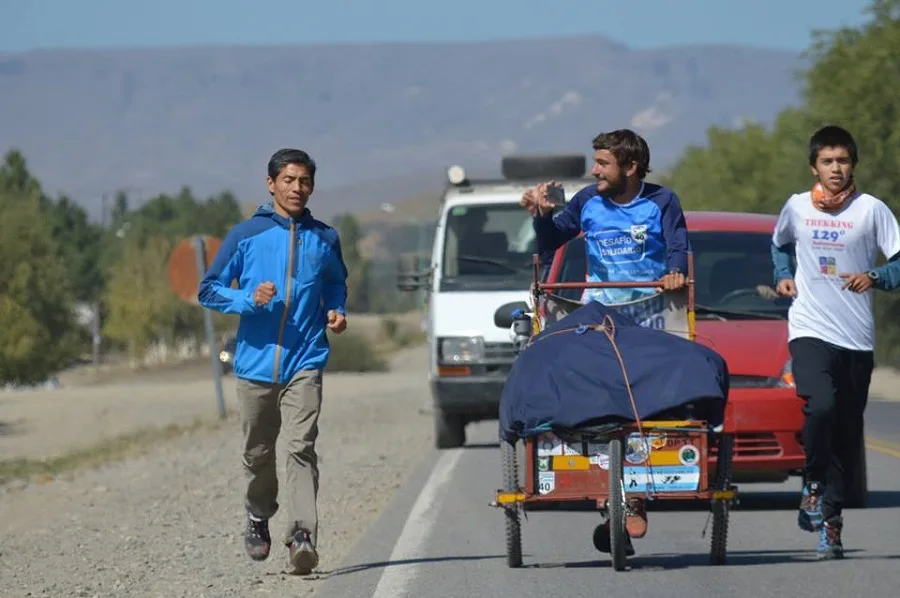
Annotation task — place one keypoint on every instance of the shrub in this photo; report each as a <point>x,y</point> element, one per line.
<point>354,352</point>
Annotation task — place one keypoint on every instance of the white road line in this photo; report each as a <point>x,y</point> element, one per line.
<point>418,526</point>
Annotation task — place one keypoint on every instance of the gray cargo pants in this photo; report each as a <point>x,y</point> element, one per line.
<point>292,409</point>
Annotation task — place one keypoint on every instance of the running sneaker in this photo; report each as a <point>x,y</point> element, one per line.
<point>257,541</point>
<point>303,554</point>
<point>830,544</point>
<point>809,517</point>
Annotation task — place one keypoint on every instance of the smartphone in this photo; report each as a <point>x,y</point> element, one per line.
<point>556,195</point>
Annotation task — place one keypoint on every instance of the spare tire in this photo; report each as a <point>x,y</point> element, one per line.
<point>544,166</point>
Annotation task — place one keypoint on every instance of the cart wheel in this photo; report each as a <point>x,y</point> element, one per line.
<point>721,507</point>
<point>511,512</point>
<point>617,539</point>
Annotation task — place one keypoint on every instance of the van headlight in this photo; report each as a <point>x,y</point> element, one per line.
<point>462,349</point>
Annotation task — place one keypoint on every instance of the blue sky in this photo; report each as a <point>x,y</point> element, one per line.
<point>32,24</point>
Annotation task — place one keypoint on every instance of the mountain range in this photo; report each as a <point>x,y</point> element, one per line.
<point>383,121</point>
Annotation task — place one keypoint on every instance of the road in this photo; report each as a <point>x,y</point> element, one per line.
<point>439,537</point>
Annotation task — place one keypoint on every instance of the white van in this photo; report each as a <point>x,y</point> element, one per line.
<point>481,260</point>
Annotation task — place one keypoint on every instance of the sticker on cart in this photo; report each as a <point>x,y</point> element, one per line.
<point>601,460</point>
<point>598,448</point>
<point>548,445</point>
<point>661,479</point>
<point>543,463</point>
<point>637,449</point>
<point>688,455</point>
<point>546,482</point>
<point>658,441</point>
<point>570,450</point>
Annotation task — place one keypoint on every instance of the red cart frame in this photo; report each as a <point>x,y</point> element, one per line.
<point>616,466</point>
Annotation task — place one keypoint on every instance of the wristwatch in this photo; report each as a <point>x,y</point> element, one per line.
<point>873,275</point>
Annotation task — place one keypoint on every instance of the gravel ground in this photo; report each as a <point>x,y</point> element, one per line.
<point>169,522</point>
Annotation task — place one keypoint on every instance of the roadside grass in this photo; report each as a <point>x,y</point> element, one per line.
<point>129,445</point>
<point>366,346</point>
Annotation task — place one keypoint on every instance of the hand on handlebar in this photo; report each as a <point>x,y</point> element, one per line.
<point>673,281</point>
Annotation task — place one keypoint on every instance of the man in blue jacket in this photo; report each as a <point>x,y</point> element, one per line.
<point>291,286</point>
<point>634,231</point>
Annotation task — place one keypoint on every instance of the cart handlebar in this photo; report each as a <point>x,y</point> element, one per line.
<point>549,286</point>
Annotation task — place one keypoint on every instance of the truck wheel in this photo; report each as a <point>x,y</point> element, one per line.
<point>858,485</point>
<point>449,430</point>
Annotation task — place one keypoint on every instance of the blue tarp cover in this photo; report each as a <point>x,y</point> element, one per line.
<point>566,379</point>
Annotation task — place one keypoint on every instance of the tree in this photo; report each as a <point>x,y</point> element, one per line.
<point>38,333</point>
<point>358,268</point>
<point>141,306</point>
<point>748,169</point>
<point>78,241</point>
<point>15,178</point>
<point>80,245</point>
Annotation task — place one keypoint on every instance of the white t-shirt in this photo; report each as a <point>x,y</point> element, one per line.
<point>828,245</point>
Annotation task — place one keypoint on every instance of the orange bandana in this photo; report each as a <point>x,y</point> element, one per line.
<point>822,201</point>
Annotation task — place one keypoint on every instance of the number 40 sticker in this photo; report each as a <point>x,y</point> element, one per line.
<point>546,482</point>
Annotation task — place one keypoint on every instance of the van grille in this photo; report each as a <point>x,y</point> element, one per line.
<point>499,353</point>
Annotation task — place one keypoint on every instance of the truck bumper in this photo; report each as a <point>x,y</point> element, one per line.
<point>767,424</point>
<point>473,397</point>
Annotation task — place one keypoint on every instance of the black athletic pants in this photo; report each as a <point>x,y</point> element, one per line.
<point>834,382</point>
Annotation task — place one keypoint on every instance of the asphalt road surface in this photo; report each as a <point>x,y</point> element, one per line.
<point>439,538</point>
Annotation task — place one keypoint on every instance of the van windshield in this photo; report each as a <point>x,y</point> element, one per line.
<point>487,247</point>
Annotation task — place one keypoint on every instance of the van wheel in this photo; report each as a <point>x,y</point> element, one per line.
<point>449,430</point>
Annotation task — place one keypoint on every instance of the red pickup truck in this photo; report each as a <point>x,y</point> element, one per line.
<point>739,316</point>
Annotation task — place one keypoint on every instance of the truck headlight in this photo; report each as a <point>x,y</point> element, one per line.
<point>464,349</point>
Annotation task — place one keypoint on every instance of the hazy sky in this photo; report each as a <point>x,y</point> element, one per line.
<point>31,24</point>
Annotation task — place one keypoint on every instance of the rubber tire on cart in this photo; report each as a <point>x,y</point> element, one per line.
<point>616,504</point>
<point>718,551</point>
<point>511,512</point>
<point>449,430</point>
<point>543,166</point>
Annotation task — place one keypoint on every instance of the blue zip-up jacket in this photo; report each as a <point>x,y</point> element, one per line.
<point>303,259</point>
<point>636,242</point>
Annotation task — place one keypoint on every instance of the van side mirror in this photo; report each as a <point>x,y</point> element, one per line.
<point>503,316</point>
<point>410,276</point>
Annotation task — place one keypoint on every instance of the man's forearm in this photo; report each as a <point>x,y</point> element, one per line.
<point>677,262</point>
<point>551,234</point>
<point>888,275</point>
<point>226,300</point>
<point>781,260</point>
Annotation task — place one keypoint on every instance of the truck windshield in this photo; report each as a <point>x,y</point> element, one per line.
<point>733,275</point>
<point>487,247</point>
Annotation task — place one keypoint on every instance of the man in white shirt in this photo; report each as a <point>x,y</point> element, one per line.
<point>835,233</point>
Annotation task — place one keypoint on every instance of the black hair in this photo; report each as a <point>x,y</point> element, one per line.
<point>832,136</point>
<point>286,156</point>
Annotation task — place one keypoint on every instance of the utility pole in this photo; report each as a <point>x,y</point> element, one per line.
<point>95,328</point>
